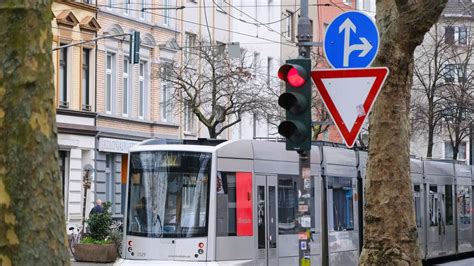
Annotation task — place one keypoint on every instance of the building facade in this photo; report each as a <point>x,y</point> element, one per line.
<point>130,97</point>
<point>75,88</point>
<point>450,72</point>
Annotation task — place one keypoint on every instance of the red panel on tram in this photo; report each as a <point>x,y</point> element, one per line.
<point>244,204</point>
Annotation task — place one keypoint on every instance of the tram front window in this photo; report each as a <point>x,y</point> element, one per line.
<point>169,194</point>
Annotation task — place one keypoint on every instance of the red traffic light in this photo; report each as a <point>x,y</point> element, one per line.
<point>295,75</point>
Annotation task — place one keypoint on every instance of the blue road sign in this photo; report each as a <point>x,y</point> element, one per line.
<point>351,41</point>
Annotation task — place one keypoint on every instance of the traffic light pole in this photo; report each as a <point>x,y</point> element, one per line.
<point>305,36</point>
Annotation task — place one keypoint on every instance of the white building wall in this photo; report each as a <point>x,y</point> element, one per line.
<point>81,152</point>
<point>267,45</point>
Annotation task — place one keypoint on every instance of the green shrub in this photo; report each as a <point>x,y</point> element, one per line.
<point>99,224</point>
<point>90,240</point>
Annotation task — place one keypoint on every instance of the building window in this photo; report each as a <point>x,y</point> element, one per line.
<point>455,35</point>
<point>63,82</point>
<point>110,180</point>
<point>461,35</point>
<point>126,82</point>
<point>366,5</point>
<point>142,89</point>
<point>455,70</point>
<point>126,7</point>
<point>450,73</point>
<point>461,73</point>
<point>256,62</point>
<point>64,174</point>
<point>166,12</point>
<point>449,35</point>
<point>289,25</point>
<point>86,79</point>
<point>166,102</point>
<point>189,44</point>
<point>188,117</point>
<point>448,150</point>
<point>110,73</point>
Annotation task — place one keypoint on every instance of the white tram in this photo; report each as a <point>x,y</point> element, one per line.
<point>197,202</point>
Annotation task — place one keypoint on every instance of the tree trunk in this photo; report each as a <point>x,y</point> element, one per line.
<point>212,132</point>
<point>390,236</point>
<point>429,152</point>
<point>32,226</point>
<point>455,152</point>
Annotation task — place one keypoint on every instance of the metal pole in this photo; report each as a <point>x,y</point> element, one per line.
<point>305,35</point>
<point>305,201</point>
<point>324,223</point>
<point>471,143</point>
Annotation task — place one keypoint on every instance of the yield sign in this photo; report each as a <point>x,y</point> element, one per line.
<point>349,94</point>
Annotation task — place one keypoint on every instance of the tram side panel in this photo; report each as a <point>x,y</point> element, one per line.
<point>340,170</point>
<point>416,173</point>
<point>463,212</point>
<point>472,205</point>
<point>235,217</point>
<point>280,169</point>
<point>440,236</point>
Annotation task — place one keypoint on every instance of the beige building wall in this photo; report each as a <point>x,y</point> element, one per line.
<point>155,35</point>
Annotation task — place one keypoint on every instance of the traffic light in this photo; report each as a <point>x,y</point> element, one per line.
<point>297,102</point>
<point>134,51</point>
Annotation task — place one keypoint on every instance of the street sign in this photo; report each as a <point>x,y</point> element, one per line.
<point>351,41</point>
<point>349,95</point>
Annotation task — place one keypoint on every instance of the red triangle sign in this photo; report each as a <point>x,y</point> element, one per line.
<point>349,94</point>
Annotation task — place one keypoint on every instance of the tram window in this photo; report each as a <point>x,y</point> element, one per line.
<point>234,204</point>
<point>167,198</point>
<point>417,196</point>
<point>261,216</point>
<point>287,204</point>
<point>433,202</point>
<point>272,236</point>
<point>449,204</point>
<point>342,199</point>
<point>464,206</point>
<point>226,204</point>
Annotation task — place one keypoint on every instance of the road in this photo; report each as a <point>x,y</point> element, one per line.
<point>464,262</point>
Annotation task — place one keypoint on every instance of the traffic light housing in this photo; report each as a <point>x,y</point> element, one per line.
<point>296,100</point>
<point>134,51</point>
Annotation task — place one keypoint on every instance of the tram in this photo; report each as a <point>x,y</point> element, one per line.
<point>202,202</point>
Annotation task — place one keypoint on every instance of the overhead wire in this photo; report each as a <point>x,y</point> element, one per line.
<point>256,20</point>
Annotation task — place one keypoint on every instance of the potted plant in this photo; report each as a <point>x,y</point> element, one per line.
<point>97,245</point>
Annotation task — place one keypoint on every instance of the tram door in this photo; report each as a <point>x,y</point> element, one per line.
<point>267,217</point>
<point>437,219</point>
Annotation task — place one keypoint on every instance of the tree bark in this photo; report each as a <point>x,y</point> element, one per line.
<point>390,236</point>
<point>32,226</point>
<point>429,152</point>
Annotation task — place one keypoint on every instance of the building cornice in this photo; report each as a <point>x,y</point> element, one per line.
<point>61,111</point>
<point>134,20</point>
<point>75,129</point>
<point>87,7</point>
<point>139,121</point>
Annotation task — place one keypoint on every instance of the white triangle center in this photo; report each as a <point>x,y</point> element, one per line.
<point>349,95</point>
